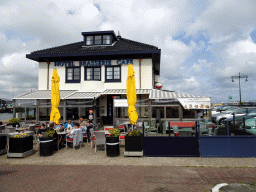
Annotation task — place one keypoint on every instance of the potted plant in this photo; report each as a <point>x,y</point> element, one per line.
<point>20,143</point>
<point>112,143</point>
<point>114,137</point>
<point>29,117</point>
<point>46,143</point>
<point>14,122</point>
<point>134,141</point>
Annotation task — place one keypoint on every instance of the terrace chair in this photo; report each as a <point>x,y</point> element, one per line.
<point>92,136</point>
<point>100,139</point>
<point>6,131</point>
<point>175,130</point>
<point>11,129</point>
<point>185,133</point>
<point>2,127</point>
<point>77,138</point>
<point>22,124</point>
<point>153,128</point>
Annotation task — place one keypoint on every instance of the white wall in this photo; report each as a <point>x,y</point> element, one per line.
<point>146,75</point>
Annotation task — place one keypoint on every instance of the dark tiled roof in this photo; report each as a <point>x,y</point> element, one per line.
<point>120,45</point>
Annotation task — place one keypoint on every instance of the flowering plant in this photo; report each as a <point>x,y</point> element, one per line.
<point>135,133</point>
<point>115,132</point>
<point>21,136</point>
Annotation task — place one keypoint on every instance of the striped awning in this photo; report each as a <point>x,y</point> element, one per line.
<point>123,91</point>
<point>162,94</point>
<point>84,95</point>
<point>74,94</point>
<point>45,94</point>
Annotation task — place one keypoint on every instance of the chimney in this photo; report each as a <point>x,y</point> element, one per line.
<point>118,36</point>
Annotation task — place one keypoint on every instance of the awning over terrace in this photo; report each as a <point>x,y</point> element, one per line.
<point>188,101</point>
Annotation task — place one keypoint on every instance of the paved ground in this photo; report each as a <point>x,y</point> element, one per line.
<point>84,170</point>
<point>118,178</point>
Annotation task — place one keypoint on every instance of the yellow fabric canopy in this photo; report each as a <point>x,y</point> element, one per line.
<point>55,97</point>
<point>131,95</point>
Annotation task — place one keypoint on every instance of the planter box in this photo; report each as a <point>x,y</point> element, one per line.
<point>133,143</point>
<point>2,142</point>
<point>20,145</point>
<point>112,145</point>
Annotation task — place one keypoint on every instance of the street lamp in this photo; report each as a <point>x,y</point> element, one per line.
<point>239,77</point>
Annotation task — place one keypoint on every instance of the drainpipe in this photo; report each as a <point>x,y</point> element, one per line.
<point>48,70</point>
<point>140,71</point>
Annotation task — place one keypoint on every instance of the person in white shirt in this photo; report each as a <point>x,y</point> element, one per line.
<point>68,125</point>
<point>70,135</point>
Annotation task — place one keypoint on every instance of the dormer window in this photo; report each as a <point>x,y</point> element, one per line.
<point>99,38</point>
<point>89,40</point>
<point>106,39</point>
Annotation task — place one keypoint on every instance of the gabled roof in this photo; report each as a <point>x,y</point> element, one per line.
<point>120,47</point>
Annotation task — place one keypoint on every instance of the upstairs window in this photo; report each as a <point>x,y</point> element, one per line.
<point>106,39</point>
<point>113,73</point>
<point>92,73</point>
<point>73,74</point>
<point>89,40</point>
<point>98,40</point>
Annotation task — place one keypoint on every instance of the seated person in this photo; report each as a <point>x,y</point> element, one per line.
<point>88,130</point>
<point>42,129</point>
<point>51,127</point>
<point>68,125</point>
<point>82,122</point>
<point>70,135</point>
<point>57,127</point>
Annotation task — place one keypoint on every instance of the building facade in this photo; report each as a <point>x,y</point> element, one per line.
<point>93,76</point>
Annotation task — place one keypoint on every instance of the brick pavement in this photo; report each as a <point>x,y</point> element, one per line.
<point>119,178</point>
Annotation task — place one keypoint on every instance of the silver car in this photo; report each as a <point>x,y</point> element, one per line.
<point>222,117</point>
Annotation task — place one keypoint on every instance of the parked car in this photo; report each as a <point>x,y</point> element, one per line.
<point>222,117</point>
<point>239,119</point>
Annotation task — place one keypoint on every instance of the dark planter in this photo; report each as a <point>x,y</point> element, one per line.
<point>13,124</point>
<point>20,145</point>
<point>2,142</point>
<point>112,145</point>
<point>46,146</point>
<point>133,143</point>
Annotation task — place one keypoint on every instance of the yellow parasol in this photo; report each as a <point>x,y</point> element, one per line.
<point>55,97</point>
<point>131,95</point>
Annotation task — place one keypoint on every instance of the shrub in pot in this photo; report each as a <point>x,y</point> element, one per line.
<point>134,141</point>
<point>112,143</point>
<point>14,121</point>
<point>114,137</point>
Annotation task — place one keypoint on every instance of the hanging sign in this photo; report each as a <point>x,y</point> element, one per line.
<point>195,103</point>
<point>120,103</point>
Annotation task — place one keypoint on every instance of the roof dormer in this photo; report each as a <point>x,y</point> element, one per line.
<point>99,38</point>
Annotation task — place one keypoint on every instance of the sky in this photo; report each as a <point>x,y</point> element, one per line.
<point>203,43</point>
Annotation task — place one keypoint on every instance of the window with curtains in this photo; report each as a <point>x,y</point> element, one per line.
<point>113,73</point>
<point>92,73</point>
<point>73,74</point>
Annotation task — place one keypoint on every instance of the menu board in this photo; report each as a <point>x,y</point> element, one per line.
<point>195,103</point>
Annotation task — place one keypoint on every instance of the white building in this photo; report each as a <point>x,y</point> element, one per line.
<point>93,73</point>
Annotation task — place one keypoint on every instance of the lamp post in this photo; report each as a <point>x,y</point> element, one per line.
<point>239,77</point>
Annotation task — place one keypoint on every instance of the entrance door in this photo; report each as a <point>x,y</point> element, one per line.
<point>110,110</point>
